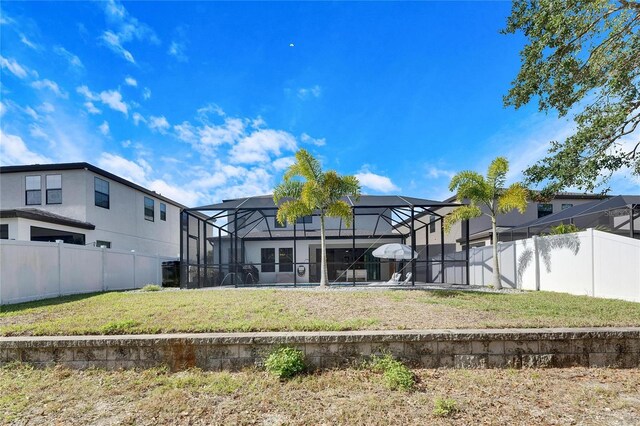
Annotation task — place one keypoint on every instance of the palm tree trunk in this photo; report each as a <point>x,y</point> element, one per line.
<point>497,281</point>
<point>323,266</point>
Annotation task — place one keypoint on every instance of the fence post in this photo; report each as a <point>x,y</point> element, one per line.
<point>536,262</point>
<point>593,262</point>
<point>515,266</point>
<point>104,269</point>
<point>159,269</point>
<point>59,267</point>
<point>134,268</point>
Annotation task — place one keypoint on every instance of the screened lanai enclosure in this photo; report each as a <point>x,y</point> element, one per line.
<point>239,242</point>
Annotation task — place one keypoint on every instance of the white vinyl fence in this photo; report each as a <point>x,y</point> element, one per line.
<point>590,262</point>
<point>32,270</point>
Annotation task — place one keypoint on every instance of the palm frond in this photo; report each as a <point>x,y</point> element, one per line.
<point>340,209</point>
<point>287,189</point>
<point>514,197</point>
<point>471,185</point>
<point>306,166</point>
<point>461,213</point>
<point>292,210</point>
<point>497,173</point>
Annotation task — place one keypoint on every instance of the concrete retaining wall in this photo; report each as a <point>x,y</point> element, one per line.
<point>514,348</point>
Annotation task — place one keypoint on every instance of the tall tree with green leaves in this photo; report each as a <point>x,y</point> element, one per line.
<point>583,58</point>
<point>307,189</point>
<point>491,194</point>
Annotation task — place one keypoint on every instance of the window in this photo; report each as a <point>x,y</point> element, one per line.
<point>106,244</point>
<point>268,259</point>
<point>149,209</point>
<point>285,259</point>
<point>566,206</point>
<point>432,225</point>
<point>545,209</point>
<point>305,219</point>
<point>278,224</point>
<point>4,232</point>
<point>53,235</point>
<point>54,189</point>
<point>101,192</point>
<point>163,211</point>
<point>33,194</point>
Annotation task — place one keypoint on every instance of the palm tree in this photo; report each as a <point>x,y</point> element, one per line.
<point>487,192</point>
<point>318,191</point>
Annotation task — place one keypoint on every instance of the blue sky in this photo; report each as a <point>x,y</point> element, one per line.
<point>202,101</point>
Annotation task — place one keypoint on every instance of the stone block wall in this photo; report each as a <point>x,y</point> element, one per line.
<point>510,348</point>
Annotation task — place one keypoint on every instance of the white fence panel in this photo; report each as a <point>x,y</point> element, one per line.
<point>80,269</point>
<point>565,263</point>
<point>590,263</point>
<point>28,271</point>
<point>32,270</point>
<point>146,271</point>
<point>118,270</point>
<point>526,264</point>
<point>616,267</point>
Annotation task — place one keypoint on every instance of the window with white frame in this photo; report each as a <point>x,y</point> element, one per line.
<point>54,189</point>
<point>33,193</point>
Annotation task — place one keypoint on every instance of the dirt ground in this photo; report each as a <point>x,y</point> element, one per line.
<point>353,396</point>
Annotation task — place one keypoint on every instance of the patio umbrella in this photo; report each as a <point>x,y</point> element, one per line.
<point>395,251</point>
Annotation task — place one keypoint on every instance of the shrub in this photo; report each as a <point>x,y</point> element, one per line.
<point>285,362</point>
<point>151,287</point>
<point>564,229</point>
<point>444,407</point>
<point>397,376</point>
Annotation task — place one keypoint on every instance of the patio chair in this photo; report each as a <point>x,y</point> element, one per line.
<point>395,278</point>
<point>407,279</point>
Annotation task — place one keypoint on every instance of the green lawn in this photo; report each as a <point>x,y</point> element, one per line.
<point>281,310</point>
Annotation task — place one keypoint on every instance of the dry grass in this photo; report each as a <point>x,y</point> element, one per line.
<point>278,310</point>
<point>149,397</point>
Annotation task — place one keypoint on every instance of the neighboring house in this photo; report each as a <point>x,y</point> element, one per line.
<point>509,224</point>
<point>79,203</point>
<point>243,235</point>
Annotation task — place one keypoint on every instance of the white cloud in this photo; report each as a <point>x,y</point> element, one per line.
<point>130,81</point>
<point>159,124</point>
<point>111,98</point>
<point>260,145</point>
<point>146,93</point>
<point>46,108</point>
<point>36,132</point>
<point>306,92</point>
<point>73,60</point>
<point>92,108</point>
<point>31,113</point>
<point>228,132</point>
<point>140,172</point>
<point>185,132</point>
<point>125,29</point>
<point>13,150</point>
<point>50,85</point>
<point>3,109</point>
<point>28,43</point>
<point>104,128</point>
<point>283,163</point>
<point>308,139</point>
<point>376,182</point>
<point>112,41</point>
<point>436,173</point>
<point>14,67</point>
<point>137,118</point>
<point>176,49</point>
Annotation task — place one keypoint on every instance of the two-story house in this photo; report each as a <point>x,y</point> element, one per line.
<point>79,203</point>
